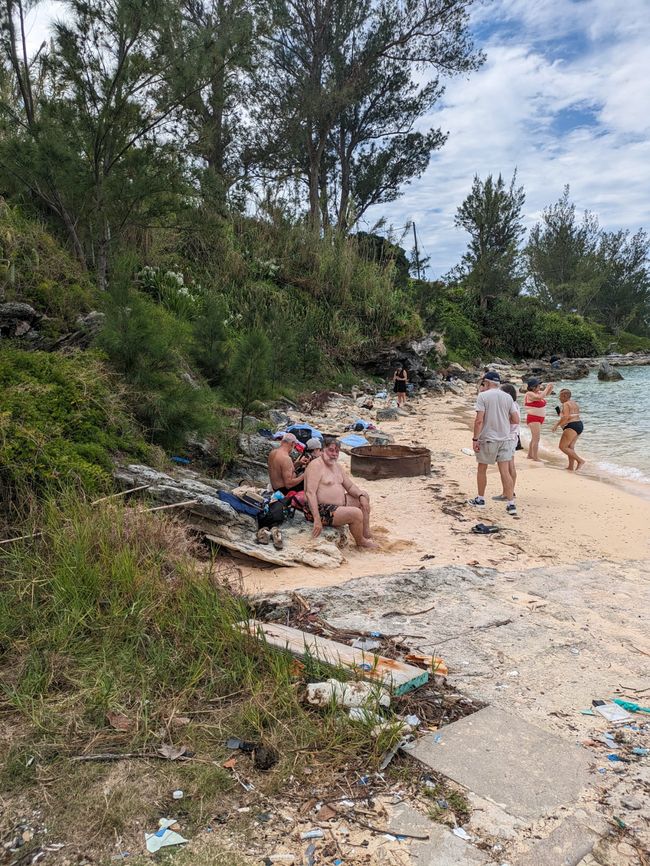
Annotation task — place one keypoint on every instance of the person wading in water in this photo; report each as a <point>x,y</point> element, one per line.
<point>572,427</point>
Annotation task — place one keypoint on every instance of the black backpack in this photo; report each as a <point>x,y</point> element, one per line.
<point>273,515</point>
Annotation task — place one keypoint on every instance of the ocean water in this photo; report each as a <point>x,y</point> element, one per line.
<point>616,415</point>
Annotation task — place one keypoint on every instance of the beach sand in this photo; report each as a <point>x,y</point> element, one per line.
<point>564,517</point>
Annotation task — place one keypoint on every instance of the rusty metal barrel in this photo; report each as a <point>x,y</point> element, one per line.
<point>390,461</point>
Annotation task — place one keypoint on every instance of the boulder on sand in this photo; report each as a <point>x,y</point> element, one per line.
<point>607,373</point>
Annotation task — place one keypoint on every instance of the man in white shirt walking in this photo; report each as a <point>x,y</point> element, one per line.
<point>492,440</point>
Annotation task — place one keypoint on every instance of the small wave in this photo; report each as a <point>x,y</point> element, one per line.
<point>629,472</point>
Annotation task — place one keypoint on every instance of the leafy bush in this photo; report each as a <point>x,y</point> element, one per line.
<point>521,327</point>
<point>61,421</point>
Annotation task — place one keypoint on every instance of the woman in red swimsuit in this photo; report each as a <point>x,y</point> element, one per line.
<point>535,407</point>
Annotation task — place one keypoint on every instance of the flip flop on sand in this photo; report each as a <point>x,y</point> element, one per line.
<point>485,529</point>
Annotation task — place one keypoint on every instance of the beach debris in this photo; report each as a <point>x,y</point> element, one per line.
<point>265,757</point>
<point>118,721</point>
<point>242,745</point>
<point>433,663</point>
<point>485,529</point>
<point>641,751</point>
<point>310,855</point>
<point>288,859</point>
<point>173,753</point>
<point>346,695</point>
<point>365,644</point>
<point>630,706</point>
<point>389,754</point>
<point>462,834</point>
<point>395,675</point>
<point>165,836</point>
<point>178,794</point>
<point>360,714</point>
<point>230,764</point>
<point>316,833</point>
<point>611,711</point>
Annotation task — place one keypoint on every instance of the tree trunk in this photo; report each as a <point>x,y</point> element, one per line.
<point>314,189</point>
<point>102,255</point>
<point>344,198</point>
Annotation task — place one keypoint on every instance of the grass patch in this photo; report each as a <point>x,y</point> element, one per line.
<point>61,420</point>
<point>108,616</point>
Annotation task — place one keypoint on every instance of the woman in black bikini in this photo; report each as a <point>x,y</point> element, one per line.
<point>572,427</point>
<point>400,380</point>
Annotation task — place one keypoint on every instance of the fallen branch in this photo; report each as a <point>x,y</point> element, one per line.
<point>173,505</point>
<point>408,612</point>
<point>496,624</point>
<point>21,538</point>
<point>121,493</point>
<point>116,756</point>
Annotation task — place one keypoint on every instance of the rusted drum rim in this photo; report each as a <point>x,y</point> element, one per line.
<point>390,461</point>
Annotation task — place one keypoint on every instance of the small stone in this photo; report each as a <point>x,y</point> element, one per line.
<point>631,803</point>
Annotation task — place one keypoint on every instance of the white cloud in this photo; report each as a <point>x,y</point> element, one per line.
<point>543,57</point>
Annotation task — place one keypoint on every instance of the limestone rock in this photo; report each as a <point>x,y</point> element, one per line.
<point>255,446</point>
<point>607,373</point>
<point>17,319</point>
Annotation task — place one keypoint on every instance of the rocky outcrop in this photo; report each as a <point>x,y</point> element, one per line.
<point>416,355</point>
<point>607,373</point>
<point>18,320</point>
<point>224,527</point>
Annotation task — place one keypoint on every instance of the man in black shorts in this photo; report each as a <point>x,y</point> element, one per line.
<point>333,499</point>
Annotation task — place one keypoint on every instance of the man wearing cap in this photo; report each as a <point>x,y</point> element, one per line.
<point>492,441</point>
<point>282,472</point>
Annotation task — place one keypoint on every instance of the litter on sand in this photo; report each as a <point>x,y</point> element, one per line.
<point>485,529</point>
<point>164,837</point>
<point>462,834</point>
<point>612,712</point>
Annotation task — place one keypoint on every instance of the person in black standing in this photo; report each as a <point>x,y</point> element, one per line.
<point>400,381</point>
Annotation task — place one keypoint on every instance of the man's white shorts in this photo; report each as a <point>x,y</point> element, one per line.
<point>500,451</point>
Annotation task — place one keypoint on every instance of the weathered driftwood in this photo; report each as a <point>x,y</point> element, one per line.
<point>397,676</point>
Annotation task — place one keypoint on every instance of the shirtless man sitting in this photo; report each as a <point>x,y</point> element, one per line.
<point>333,499</point>
<point>282,472</point>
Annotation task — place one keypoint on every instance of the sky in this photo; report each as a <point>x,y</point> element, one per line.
<point>563,98</point>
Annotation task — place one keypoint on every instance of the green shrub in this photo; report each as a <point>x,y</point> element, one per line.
<point>147,346</point>
<point>626,342</point>
<point>521,327</point>
<point>62,418</point>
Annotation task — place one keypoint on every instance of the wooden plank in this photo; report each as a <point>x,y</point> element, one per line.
<point>395,675</point>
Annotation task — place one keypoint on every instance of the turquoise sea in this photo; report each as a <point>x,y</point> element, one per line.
<point>616,415</point>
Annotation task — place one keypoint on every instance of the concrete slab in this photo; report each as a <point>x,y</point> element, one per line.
<point>567,845</point>
<point>442,849</point>
<point>525,770</point>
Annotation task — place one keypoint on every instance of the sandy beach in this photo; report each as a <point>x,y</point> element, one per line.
<point>563,517</point>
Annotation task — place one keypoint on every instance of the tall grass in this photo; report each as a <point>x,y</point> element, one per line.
<point>109,611</point>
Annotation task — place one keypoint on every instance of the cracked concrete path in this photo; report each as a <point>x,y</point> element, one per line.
<point>539,645</point>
